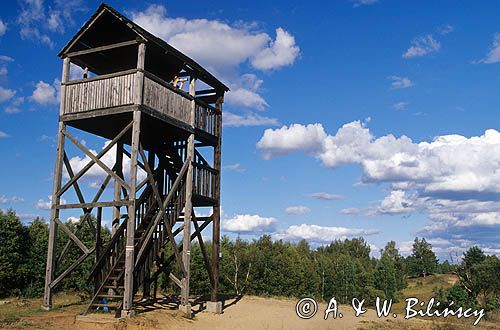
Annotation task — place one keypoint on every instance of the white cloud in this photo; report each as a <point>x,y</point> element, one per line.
<point>350,211</point>
<point>3,134</point>
<point>96,173</point>
<point>46,94</point>
<point>293,138</point>
<point>320,234</point>
<point>42,204</point>
<point>453,179</point>
<point>13,199</point>
<point>246,223</point>
<point>3,28</point>
<point>225,50</point>
<point>38,20</point>
<point>399,106</point>
<point>6,94</point>
<point>422,46</point>
<point>359,3</point>
<point>12,109</point>
<point>249,119</point>
<point>400,82</point>
<point>326,196</point>
<point>446,29</point>
<point>281,52</point>
<point>493,55</point>
<point>28,33</point>
<point>234,168</point>
<point>5,58</point>
<point>217,44</point>
<point>297,210</point>
<point>396,202</point>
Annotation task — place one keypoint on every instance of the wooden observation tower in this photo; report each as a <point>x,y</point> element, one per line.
<point>161,112</point>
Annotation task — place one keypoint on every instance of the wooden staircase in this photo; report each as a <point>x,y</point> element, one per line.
<point>156,215</point>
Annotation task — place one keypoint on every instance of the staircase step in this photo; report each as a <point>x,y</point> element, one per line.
<point>110,296</point>
<point>119,287</point>
<point>111,306</point>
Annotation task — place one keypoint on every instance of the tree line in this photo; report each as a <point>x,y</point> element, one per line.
<point>343,269</point>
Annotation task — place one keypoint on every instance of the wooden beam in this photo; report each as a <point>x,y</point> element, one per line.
<point>91,163</point>
<point>93,204</point>
<point>71,268</point>
<point>96,160</point>
<point>102,48</point>
<point>71,235</point>
<point>206,261</point>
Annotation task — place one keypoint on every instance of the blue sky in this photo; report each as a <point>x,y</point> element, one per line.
<point>346,118</point>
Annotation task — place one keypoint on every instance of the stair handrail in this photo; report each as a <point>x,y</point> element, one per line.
<point>110,244</point>
<point>161,214</point>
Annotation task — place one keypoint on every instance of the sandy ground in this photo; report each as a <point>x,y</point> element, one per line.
<point>247,313</point>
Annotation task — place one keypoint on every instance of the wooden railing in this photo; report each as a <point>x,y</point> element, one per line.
<point>162,97</point>
<point>203,180</point>
<point>119,89</point>
<point>207,118</point>
<point>100,92</point>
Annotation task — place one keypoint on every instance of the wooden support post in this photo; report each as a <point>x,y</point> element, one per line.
<point>188,209</point>
<point>216,209</point>
<point>98,244</point>
<point>146,288</point>
<point>128,295</point>
<point>118,169</point>
<point>50,267</point>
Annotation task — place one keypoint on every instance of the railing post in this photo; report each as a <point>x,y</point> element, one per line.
<point>64,80</point>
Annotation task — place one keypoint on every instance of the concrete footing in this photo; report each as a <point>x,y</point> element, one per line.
<point>214,307</point>
<point>186,311</point>
<point>127,313</point>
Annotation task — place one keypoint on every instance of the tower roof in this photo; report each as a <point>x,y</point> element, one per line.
<point>107,26</point>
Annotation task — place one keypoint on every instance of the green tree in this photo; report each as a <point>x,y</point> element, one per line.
<point>38,232</point>
<point>422,261</point>
<point>14,243</point>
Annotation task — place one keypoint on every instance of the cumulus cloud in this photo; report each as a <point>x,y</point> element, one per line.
<point>96,173</point>
<point>6,94</point>
<point>230,119</point>
<point>3,134</point>
<point>38,20</point>
<point>400,82</point>
<point>217,44</point>
<point>320,234</point>
<point>46,94</point>
<point>225,49</point>
<point>422,46</point>
<point>42,204</point>
<point>493,55</point>
<point>281,52</point>
<point>3,28</point>
<point>446,29</point>
<point>246,223</point>
<point>293,138</point>
<point>453,179</point>
<point>13,199</point>
<point>297,210</point>
<point>5,58</point>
